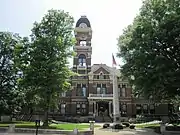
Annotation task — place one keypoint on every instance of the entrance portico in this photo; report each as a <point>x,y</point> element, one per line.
<point>100,103</point>
<point>100,107</point>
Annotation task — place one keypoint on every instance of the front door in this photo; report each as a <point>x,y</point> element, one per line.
<point>103,108</point>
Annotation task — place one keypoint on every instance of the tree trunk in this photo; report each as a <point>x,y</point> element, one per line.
<point>46,110</point>
<point>45,123</point>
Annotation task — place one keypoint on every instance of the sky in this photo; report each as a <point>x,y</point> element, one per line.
<point>108,18</point>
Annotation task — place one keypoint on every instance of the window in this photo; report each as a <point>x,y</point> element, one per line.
<point>84,108</point>
<point>145,108</point>
<point>123,91</point>
<point>151,109</point>
<point>81,108</point>
<point>82,43</point>
<point>123,110</point>
<point>68,93</point>
<point>95,76</point>
<point>138,109</point>
<point>103,88</point>
<point>98,89</point>
<point>81,71</point>
<point>79,90</point>
<point>63,108</point>
<point>63,94</point>
<point>78,108</point>
<point>84,90</point>
<point>101,76</point>
<point>82,60</point>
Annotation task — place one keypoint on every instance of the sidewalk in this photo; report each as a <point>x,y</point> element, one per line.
<point>125,132</point>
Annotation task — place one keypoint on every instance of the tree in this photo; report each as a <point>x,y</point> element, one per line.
<point>47,72</point>
<point>150,49</point>
<point>11,98</point>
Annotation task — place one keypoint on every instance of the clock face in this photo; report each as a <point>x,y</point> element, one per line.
<point>82,25</point>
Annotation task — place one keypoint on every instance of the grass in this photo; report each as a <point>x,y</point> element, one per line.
<point>147,125</point>
<point>65,126</point>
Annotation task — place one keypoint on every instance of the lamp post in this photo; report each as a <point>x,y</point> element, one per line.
<point>37,124</point>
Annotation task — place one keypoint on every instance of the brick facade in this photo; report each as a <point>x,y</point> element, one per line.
<point>94,83</point>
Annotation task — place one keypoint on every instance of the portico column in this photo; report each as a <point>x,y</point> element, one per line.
<point>90,107</point>
<point>110,114</point>
<point>94,107</point>
<point>97,109</point>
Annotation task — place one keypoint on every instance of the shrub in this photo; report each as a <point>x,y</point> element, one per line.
<point>126,124</point>
<point>117,126</point>
<point>132,126</point>
<point>106,125</point>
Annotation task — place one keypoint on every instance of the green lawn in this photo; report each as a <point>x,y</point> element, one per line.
<point>147,125</point>
<point>65,126</point>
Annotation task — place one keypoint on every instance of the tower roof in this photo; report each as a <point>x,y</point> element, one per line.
<point>83,19</point>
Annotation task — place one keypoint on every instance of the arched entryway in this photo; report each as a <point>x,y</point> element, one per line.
<point>103,108</point>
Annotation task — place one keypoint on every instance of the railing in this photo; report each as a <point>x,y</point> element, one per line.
<point>100,95</point>
<point>81,67</point>
<point>81,77</point>
<point>82,47</point>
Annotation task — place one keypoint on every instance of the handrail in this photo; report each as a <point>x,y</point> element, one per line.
<point>100,95</point>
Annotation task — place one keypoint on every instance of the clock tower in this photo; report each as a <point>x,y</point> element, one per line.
<point>83,49</point>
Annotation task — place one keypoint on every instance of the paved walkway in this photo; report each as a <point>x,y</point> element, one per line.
<point>103,132</point>
<point>125,132</point>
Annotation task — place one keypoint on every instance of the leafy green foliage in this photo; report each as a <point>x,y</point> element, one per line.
<point>150,49</point>
<point>11,98</point>
<point>47,71</point>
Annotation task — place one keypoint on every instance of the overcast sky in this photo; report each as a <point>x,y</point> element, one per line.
<point>107,17</point>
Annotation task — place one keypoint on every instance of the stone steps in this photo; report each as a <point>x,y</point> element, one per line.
<point>103,119</point>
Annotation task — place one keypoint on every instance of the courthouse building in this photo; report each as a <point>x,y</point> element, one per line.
<point>92,90</point>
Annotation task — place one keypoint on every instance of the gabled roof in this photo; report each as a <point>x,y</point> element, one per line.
<point>95,67</point>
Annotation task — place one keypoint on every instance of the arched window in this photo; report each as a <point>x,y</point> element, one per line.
<point>101,76</point>
<point>82,60</point>
<point>123,110</point>
<point>63,108</point>
<point>82,43</point>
